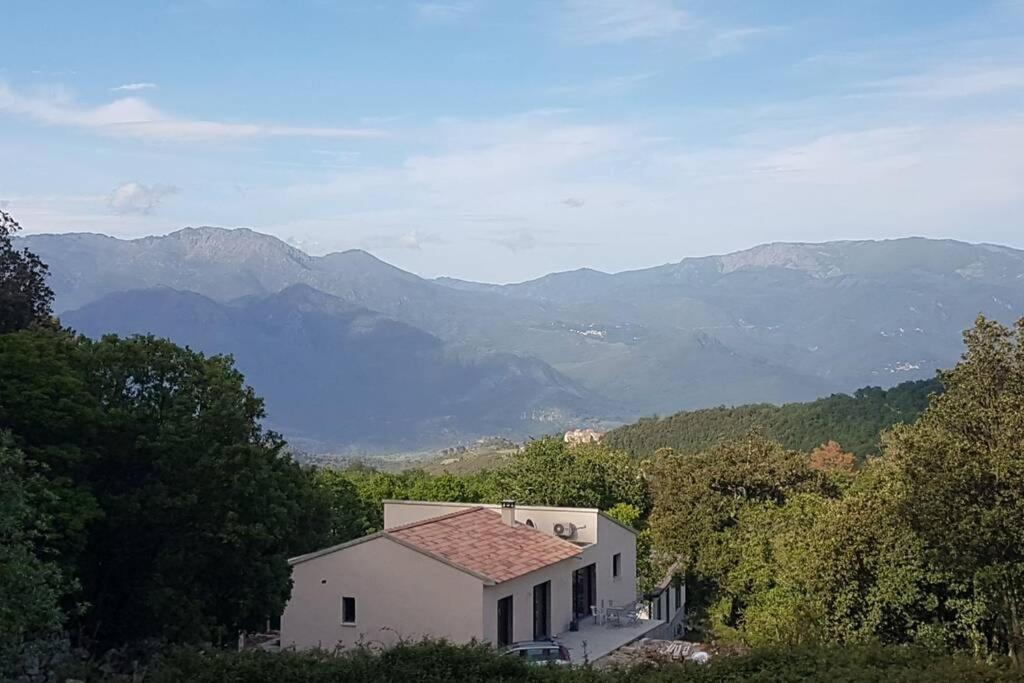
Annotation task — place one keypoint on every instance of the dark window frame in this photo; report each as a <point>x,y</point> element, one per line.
<point>506,627</point>
<point>616,565</point>
<point>348,610</point>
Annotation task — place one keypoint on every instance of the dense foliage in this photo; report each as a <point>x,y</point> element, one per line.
<point>854,421</point>
<point>30,585</point>
<point>961,470</point>
<point>547,472</point>
<point>922,545</point>
<point>25,298</point>
<point>171,506</point>
<point>443,663</point>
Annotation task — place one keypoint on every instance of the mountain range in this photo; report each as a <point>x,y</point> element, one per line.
<point>351,352</point>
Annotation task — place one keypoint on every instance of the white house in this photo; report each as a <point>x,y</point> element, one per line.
<point>494,573</point>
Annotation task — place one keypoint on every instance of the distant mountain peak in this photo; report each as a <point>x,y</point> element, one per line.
<point>817,259</point>
<point>228,245</point>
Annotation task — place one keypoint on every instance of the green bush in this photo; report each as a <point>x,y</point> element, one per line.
<point>441,662</point>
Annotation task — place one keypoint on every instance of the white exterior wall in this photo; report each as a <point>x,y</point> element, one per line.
<point>614,539</point>
<point>521,590</point>
<point>399,593</point>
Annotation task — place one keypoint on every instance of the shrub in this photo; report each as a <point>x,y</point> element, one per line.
<point>441,662</point>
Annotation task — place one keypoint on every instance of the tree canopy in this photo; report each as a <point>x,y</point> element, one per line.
<point>174,508</point>
<point>31,587</point>
<point>856,421</point>
<point>962,466</point>
<point>25,298</point>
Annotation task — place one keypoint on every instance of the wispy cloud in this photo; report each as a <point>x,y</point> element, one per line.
<point>527,240</point>
<point>138,198</point>
<point>951,82</point>
<point>414,240</point>
<point>731,41</point>
<point>134,117</point>
<point>133,87</point>
<point>444,11</point>
<point>618,21</point>
<point>611,86</point>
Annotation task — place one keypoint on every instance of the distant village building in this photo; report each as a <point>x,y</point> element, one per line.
<point>575,437</point>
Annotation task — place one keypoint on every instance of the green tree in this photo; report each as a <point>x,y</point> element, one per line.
<point>736,520</point>
<point>25,298</point>
<point>193,509</point>
<point>869,570</point>
<point>46,401</point>
<point>766,596</point>
<point>589,475</point>
<point>30,586</point>
<point>349,516</point>
<point>699,498</point>
<point>445,487</point>
<point>962,466</point>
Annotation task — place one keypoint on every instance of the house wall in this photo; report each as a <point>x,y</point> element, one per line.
<point>614,539</point>
<point>675,619</point>
<point>397,513</point>
<point>399,593</point>
<point>521,590</point>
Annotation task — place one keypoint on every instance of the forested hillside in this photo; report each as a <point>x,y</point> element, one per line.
<point>854,421</point>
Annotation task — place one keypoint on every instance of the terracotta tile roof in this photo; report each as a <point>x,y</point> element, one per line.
<point>476,539</point>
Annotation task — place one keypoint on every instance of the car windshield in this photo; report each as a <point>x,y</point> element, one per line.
<point>540,654</point>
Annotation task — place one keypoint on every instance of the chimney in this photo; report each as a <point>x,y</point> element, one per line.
<point>508,512</point>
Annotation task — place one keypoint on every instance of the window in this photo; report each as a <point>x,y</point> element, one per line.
<point>679,596</point>
<point>348,610</point>
<point>657,607</point>
<point>505,621</point>
<point>616,565</point>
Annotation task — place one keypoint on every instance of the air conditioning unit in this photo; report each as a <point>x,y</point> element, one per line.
<point>565,529</point>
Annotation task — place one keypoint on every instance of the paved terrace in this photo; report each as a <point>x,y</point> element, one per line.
<point>599,640</point>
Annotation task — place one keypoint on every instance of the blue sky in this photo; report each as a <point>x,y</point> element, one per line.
<point>500,140</point>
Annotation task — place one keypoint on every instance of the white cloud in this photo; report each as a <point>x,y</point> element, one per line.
<point>611,86</point>
<point>414,239</point>
<point>952,82</point>
<point>138,198</point>
<point>517,240</point>
<point>444,11</point>
<point>731,41</point>
<point>528,240</point>
<point>134,87</point>
<point>134,117</point>
<point>618,21</point>
<point>647,202</point>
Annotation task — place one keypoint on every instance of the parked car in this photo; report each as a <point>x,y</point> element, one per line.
<point>539,652</point>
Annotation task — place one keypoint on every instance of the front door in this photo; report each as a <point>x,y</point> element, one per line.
<point>542,611</point>
<point>584,590</point>
<point>505,621</point>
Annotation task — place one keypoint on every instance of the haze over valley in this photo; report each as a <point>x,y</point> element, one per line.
<point>353,354</point>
